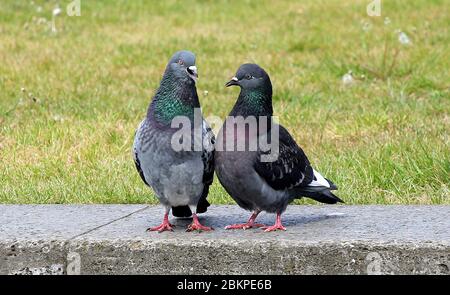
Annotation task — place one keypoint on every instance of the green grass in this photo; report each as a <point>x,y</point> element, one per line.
<point>383,140</point>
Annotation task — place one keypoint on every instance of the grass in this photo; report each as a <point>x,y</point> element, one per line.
<point>66,137</point>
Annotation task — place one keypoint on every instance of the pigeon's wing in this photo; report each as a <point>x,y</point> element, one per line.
<point>291,168</point>
<point>208,164</point>
<point>136,150</point>
<point>137,163</point>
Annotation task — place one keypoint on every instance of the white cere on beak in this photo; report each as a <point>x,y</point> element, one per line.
<point>193,68</point>
<point>235,79</point>
<point>192,71</point>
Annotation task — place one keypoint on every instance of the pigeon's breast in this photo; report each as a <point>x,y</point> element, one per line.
<point>176,177</point>
<point>236,174</point>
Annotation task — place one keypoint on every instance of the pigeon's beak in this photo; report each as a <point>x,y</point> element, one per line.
<point>192,71</point>
<point>234,81</point>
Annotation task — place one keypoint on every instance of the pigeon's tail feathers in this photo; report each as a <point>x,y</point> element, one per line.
<point>181,211</point>
<point>320,181</point>
<point>324,196</point>
<point>203,203</point>
<point>185,211</point>
<point>320,190</point>
<point>332,185</point>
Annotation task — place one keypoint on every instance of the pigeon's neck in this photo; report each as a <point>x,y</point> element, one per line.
<point>254,102</point>
<point>173,98</point>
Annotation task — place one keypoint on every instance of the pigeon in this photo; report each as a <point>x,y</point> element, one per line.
<point>254,180</point>
<point>180,178</point>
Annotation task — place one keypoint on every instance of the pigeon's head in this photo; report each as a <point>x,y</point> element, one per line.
<point>251,77</point>
<point>182,65</point>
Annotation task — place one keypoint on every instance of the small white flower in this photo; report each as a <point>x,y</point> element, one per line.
<point>387,21</point>
<point>41,20</point>
<point>366,26</point>
<point>205,92</point>
<point>23,89</point>
<point>57,11</point>
<point>347,79</point>
<point>403,38</point>
<point>58,118</point>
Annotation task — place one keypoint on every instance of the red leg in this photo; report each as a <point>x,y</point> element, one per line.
<point>276,226</point>
<point>164,226</point>
<point>250,223</point>
<point>195,225</point>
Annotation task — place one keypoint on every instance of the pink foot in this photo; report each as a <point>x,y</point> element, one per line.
<point>195,225</point>
<point>276,226</point>
<point>250,223</point>
<point>164,226</point>
<point>244,225</point>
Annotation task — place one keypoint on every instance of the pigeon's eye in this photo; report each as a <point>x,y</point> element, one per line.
<point>248,76</point>
<point>180,62</point>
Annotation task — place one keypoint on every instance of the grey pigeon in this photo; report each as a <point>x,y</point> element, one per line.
<point>180,178</point>
<point>268,185</point>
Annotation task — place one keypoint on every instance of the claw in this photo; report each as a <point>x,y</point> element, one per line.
<point>164,226</point>
<point>250,223</point>
<point>195,225</point>
<point>276,226</point>
<point>244,225</point>
<point>273,228</point>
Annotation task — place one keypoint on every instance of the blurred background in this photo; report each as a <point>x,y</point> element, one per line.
<point>366,96</point>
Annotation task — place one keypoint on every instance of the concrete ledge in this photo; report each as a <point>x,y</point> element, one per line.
<point>111,239</point>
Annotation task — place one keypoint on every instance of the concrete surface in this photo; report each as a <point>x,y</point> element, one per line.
<point>111,239</point>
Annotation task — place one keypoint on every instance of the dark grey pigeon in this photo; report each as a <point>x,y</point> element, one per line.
<point>254,180</point>
<point>180,177</point>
